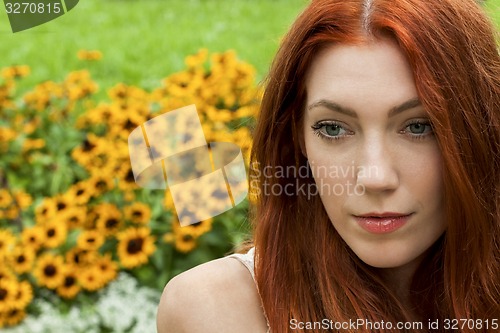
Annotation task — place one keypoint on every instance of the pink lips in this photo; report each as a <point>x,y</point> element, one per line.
<point>382,223</point>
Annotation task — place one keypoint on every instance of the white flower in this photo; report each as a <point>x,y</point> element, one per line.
<point>123,306</point>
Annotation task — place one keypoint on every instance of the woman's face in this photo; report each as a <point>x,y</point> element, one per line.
<point>373,155</point>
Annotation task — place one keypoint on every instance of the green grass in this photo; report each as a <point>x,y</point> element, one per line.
<point>493,9</point>
<point>145,40</point>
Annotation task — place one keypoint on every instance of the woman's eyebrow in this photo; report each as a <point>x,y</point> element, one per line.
<point>409,104</point>
<point>331,105</point>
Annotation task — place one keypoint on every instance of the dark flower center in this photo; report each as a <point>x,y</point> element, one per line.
<point>135,245</point>
<point>3,294</point>
<point>51,232</point>
<point>87,146</point>
<point>50,270</point>
<point>129,125</point>
<point>130,176</point>
<point>187,238</point>
<point>111,223</point>
<point>101,185</point>
<point>21,259</point>
<point>13,313</point>
<point>69,281</point>
<point>61,205</point>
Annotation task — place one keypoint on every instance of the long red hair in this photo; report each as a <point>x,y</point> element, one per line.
<point>304,270</point>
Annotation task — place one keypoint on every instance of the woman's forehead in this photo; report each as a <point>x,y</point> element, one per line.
<point>357,74</point>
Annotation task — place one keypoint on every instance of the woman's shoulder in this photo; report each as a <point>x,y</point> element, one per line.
<point>218,296</point>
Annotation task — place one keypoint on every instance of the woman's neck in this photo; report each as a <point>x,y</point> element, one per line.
<point>399,279</point>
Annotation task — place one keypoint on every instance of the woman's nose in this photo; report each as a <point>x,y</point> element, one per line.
<point>377,170</point>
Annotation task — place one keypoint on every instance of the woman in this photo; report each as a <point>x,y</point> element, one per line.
<point>393,108</point>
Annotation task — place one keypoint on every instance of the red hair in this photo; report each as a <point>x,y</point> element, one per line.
<point>304,270</point>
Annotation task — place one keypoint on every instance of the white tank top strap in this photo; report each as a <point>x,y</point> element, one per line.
<point>248,260</point>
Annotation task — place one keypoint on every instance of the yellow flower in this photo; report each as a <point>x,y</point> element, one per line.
<point>101,161</point>
<point>75,217</point>
<point>201,228</point>
<point>77,77</point>
<point>24,295</point>
<point>46,210</point>
<point>90,240</point>
<point>135,246</point>
<point>10,213</point>
<point>127,122</point>
<point>92,55</point>
<point>14,316</point>
<point>15,72</point>
<point>138,213</point>
<point>219,115</point>
<point>108,218</point>
<point>179,84</point>
<point>22,259</point>
<point>226,59</point>
<point>23,199</point>
<point>127,183</point>
<point>197,60</point>
<point>80,193</point>
<point>8,292</point>
<point>98,115</point>
<point>118,92</point>
<point>195,229</point>
<point>129,196</point>
<point>78,85</point>
<point>70,287</point>
<point>169,237</point>
<point>33,237</point>
<point>80,257</point>
<point>184,242</point>
<point>7,241</point>
<point>100,184</point>
<point>6,273</point>
<point>107,267</point>
<point>49,271</point>
<point>90,278</point>
<point>55,233</point>
<point>6,135</point>
<point>38,99</point>
<point>62,203</point>
<point>5,198</point>
<point>31,144</point>
<point>30,126</point>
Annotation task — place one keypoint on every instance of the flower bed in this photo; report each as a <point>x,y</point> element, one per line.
<point>72,218</point>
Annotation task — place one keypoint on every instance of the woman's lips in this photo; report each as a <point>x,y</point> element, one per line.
<point>382,223</point>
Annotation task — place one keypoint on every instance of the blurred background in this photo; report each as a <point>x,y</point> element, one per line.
<point>82,247</point>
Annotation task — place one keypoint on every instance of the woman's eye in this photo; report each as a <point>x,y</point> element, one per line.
<point>333,130</point>
<point>419,128</point>
<point>329,131</point>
